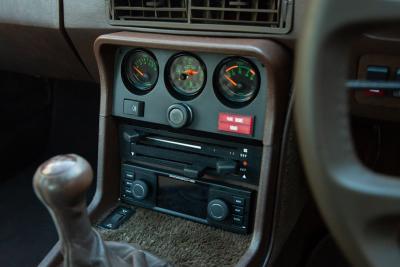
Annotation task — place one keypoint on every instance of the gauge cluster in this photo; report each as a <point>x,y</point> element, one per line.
<point>216,93</point>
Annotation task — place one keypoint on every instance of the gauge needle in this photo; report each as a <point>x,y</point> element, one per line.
<point>190,72</point>
<point>138,71</point>
<point>230,80</point>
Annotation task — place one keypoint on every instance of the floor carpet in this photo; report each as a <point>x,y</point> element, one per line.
<point>182,243</point>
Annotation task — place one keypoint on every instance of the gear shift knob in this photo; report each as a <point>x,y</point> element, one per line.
<point>63,181</point>
<point>61,184</point>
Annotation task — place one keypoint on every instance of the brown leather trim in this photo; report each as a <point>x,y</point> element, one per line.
<point>278,70</point>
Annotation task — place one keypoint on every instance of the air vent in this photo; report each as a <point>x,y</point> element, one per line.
<point>160,10</point>
<point>250,16</point>
<point>236,12</point>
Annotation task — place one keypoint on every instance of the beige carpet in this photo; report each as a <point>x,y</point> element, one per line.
<point>181,242</point>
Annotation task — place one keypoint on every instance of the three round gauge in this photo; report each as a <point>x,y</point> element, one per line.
<point>236,80</point>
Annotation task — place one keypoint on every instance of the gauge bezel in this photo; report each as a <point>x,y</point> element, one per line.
<point>218,89</point>
<point>128,84</point>
<point>176,93</point>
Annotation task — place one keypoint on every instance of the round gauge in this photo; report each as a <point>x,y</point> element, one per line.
<point>139,71</point>
<point>236,81</point>
<point>186,75</point>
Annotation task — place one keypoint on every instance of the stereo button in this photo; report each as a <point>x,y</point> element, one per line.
<point>238,201</point>
<point>129,175</point>
<point>140,190</point>
<point>217,210</point>
<point>128,191</point>
<point>128,183</point>
<point>238,210</point>
<point>238,220</point>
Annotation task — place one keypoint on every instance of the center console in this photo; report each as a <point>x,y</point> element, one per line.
<point>190,127</point>
<point>190,131</point>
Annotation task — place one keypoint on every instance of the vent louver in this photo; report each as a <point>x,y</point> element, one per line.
<point>248,12</point>
<point>256,16</point>
<point>161,10</point>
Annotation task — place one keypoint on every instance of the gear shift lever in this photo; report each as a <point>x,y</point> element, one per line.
<point>61,184</point>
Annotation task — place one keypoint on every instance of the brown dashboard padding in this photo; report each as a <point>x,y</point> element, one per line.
<point>61,184</point>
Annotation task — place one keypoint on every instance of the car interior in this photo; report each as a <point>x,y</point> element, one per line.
<point>149,133</point>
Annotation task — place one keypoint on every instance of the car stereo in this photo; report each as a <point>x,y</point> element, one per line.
<point>200,201</point>
<point>197,178</point>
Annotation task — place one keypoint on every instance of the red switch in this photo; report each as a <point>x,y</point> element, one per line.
<point>234,123</point>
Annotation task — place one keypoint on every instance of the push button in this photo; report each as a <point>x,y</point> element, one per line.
<point>238,210</point>
<point>128,183</point>
<point>376,73</point>
<point>237,220</point>
<point>239,201</point>
<point>132,107</point>
<point>128,191</point>
<point>129,175</point>
<point>235,123</point>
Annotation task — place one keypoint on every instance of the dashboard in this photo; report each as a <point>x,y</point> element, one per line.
<point>194,96</point>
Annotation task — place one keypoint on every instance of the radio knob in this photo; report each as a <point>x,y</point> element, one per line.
<point>179,115</point>
<point>140,189</point>
<point>217,210</point>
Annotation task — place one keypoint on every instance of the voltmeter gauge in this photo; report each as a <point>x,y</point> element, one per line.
<point>185,75</point>
<point>139,71</point>
<point>236,81</point>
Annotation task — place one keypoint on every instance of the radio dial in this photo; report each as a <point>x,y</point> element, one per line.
<point>140,189</point>
<point>217,210</point>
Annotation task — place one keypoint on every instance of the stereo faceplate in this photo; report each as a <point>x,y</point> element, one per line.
<point>208,203</point>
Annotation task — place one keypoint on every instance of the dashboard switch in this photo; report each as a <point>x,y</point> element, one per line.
<point>234,128</point>
<point>132,107</point>
<point>234,123</point>
<point>376,73</point>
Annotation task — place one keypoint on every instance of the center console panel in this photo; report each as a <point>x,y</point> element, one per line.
<point>191,126</point>
<point>175,107</point>
<point>152,126</point>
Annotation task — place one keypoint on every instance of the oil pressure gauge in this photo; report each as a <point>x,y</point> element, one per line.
<point>236,81</point>
<point>185,76</point>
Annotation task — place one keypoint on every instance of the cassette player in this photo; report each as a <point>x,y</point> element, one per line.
<point>208,203</point>
<point>190,156</point>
